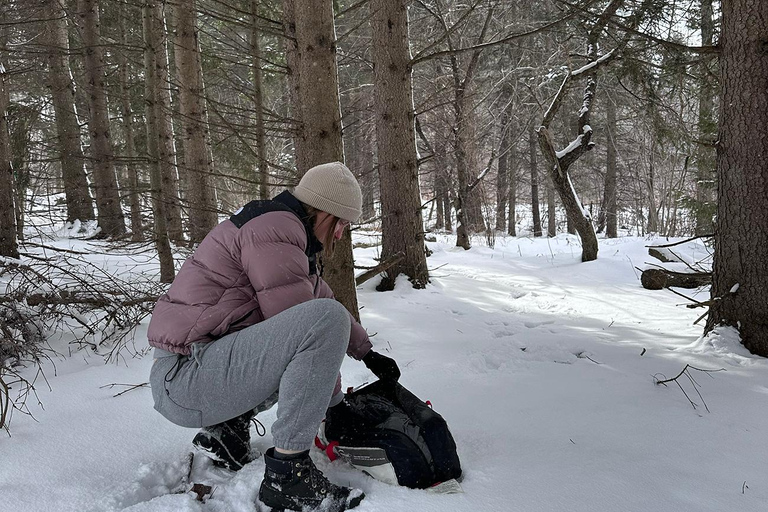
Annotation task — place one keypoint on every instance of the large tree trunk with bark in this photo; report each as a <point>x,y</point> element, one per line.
<point>8,244</point>
<point>78,197</point>
<point>169,190</point>
<point>201,197</point>
<point>740,282</point>
<point>152,99</point>
<point>131,190</point>
<point>316,89</point>
<point>110,213</point>
<point>402,224</point>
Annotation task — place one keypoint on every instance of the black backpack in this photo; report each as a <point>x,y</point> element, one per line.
<point>396,438</point>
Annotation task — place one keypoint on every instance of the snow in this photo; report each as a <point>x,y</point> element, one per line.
<point>575,143</point>
<point>590,65</point>
<point>542,365</point>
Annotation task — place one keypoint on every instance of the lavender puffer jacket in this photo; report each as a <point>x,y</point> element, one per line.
<point>239,277</point>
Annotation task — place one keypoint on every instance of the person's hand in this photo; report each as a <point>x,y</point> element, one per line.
<point>382,366</point>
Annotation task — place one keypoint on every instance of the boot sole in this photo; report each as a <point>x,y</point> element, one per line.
<point>267,494</point>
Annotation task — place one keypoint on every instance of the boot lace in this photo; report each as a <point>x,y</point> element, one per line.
<point>312,476</point>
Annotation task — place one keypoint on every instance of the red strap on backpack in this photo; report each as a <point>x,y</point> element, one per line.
<point>328,449</point>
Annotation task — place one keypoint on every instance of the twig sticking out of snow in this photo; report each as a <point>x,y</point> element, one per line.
<point>695,384</point>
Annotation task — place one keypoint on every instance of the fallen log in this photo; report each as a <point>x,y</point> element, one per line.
<point>378,269</point>
<point>657,278</point>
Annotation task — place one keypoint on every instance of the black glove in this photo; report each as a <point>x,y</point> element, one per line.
<point>382,366</point>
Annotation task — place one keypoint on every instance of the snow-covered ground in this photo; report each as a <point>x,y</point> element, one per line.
<point>543,367</point>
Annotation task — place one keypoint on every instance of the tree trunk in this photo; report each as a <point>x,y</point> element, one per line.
<point>447,205</point>
<point>152,99</point>
<point>512,199</point>
<point>502,171</point>
<point>169,175</point>
<point>611,174</point>
<point>401,219</point>
<point>440,213</point>
<point>740,281</point>
<point>132,192</point>
<point>707,127</point>
<point>461,201</point>
<point>653,214</point>
<point>201,198</point>
<point>78,197</point>
<point>534,183</point>
<point>110,213</point>
<point>319,137</point>
<point>292,72</point>
<point>8,244</point>
<point>262,170</point>
<point>551,209</point>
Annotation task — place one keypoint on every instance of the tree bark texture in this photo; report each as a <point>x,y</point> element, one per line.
<point>110,213</point>
<point>502,170</point>
<point>262,169</point>
<point>77,195</point>
<point>133,194</point>
<point>401,222</point>
<point>201,196</point>
<point>741,231</point>
<point>319,136</point>
<point>8,244</point>
<point>512,166</point>
<point>532,159</point>
<point>292,71</point>
<point>611,173</point>
<point>551,209</point>
<point>707,128</point>
<point>167,154</point>
<point>151,97</point>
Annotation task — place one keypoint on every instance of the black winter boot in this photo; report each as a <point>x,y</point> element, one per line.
<point>293,484</point>
<point>228,443</point>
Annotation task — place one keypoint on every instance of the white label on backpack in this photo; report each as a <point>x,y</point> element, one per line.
<point>451,486</point>
<point>372,461</point>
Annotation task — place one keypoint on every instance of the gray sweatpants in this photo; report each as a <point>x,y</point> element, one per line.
<point>297,352</point>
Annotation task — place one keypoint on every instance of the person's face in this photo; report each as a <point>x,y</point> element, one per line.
<point>327,224</point>
<point>338,231</point>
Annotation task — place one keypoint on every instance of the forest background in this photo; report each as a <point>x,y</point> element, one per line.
<point>144,123</point>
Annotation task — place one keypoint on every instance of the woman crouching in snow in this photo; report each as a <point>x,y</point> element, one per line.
<point>247,315</point>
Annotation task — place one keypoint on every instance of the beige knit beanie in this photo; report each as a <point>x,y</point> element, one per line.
<point>331,188</point>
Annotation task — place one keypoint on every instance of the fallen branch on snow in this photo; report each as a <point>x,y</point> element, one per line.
<point>695,384</point>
